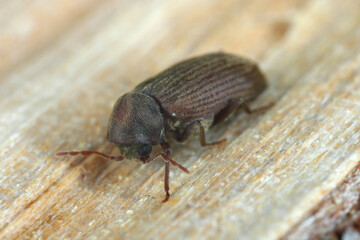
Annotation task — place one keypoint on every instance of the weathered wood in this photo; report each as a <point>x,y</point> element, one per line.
<point>63,64</point>
<point>338,215</point>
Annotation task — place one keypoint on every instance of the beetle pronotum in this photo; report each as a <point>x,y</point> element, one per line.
<point>183,101</point>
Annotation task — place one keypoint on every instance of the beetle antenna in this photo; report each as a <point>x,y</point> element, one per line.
<point>87,153</point>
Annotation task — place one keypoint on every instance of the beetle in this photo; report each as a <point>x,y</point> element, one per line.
<point>181,102</point>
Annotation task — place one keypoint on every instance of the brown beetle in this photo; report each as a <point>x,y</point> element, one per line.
<point>180,102</point>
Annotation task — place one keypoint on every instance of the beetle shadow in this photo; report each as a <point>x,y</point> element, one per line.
<point>93,166</point>
<point>98,172</point>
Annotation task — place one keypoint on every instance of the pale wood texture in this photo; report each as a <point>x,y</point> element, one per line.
<point>63,64</point>
<point>338,215</point>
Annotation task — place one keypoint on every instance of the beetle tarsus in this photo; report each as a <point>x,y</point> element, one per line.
<point>166,198</point>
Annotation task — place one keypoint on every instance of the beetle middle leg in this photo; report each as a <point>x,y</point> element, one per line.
<point>190,129</point>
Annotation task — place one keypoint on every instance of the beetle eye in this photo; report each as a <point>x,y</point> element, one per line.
<point>144,150</point>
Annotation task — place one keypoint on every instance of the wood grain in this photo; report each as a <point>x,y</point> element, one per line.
<point>63,64</point>
<point>337,216</point>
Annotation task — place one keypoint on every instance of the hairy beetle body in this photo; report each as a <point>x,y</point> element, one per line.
<point>181,102</point>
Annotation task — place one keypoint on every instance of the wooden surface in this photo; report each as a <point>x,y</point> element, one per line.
<point>64,63</point>
<point>337,216</point>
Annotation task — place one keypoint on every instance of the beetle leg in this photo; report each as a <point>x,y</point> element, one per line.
<point>224,113</point>
<point>167,161</point>
<point>187,132</point>
<point>166,158</point>
<point>233,106</point>
<point>191,128</point>
<point>166,181</point>
<point>202,137</point>
<point>166,148</point>
<point>257,110</point>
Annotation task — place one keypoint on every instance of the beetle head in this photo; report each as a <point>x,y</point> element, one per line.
<point>136,124</point>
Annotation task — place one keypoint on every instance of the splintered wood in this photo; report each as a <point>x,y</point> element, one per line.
<point>63,65</point>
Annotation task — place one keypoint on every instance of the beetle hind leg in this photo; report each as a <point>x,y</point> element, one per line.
<point>235,105</point>
<point>257,110</point>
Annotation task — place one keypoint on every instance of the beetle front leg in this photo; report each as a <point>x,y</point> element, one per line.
<point>166,181</point>
<point>166,148</point>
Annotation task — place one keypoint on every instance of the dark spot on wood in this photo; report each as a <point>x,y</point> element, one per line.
<point>279,29</point>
